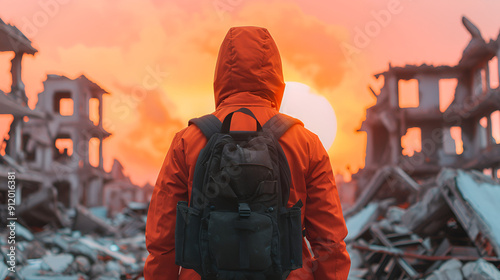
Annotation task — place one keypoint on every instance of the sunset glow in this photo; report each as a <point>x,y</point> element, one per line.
<point>157,59</point>
<point>312,109</point>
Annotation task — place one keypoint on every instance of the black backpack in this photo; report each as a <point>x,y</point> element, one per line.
<point>237,224</point>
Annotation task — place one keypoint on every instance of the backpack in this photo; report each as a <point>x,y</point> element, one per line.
<point>237,224</point>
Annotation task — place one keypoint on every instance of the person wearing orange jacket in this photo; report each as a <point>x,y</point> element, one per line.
<point>249,74</point>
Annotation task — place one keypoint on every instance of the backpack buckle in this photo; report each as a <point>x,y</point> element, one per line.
<point>244,210</point>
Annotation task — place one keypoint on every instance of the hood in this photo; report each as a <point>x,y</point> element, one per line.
<point>249,61</point>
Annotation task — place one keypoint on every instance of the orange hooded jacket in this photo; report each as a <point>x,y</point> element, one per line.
<point>249,74</point>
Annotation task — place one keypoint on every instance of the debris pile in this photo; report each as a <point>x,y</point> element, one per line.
<point>450,232</point>
<point>429,210</point>
<point>92,248</point>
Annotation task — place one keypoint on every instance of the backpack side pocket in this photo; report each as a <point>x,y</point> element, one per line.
<point>291,238</point>
<point>187,233</point>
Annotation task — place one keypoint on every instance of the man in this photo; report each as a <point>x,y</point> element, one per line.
<point>249,74</point>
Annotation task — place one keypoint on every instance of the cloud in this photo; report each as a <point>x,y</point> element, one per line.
<point>306,44</point>
<point>116,44</point>
<point>143,144</point>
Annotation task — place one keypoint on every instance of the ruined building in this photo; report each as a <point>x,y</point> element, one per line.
<point>69,104</point>
<point>473,115</point>
<point>56,150</point>
<point>15,103</point>
<point>73,219</point>
<point>427,199</point>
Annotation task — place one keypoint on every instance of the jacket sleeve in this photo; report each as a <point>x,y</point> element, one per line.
<point>171,187</point>
<point>324,221</point>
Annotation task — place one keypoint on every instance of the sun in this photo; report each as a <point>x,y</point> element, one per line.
<point>312,109</point>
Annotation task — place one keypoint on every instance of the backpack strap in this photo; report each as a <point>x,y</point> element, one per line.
<point>280,123</point>
<point>208,124</point>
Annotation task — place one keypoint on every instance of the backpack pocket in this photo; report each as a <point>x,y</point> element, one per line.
<point>291,238</point>
<point>187,233</point>
<point>238,243</point>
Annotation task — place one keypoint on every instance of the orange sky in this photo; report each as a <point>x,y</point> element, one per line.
<point>157,58</point>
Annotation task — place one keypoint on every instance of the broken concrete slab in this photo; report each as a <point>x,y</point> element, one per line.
<point>32,250</point>
<point>116,255</point>
<point>387,182</point>
<point>428,215</point>
<point>55,242</point>
<point>99,211</point>
<point>480,270</point>
<point>140,208</point>
<point>463,192</point>
<point>97,269</point>
<point>395,214</point>
<point>4,271</point>
<point>114,266</point>
<point>40,209</point>
<point>81,249</point>
<point>23,233</point>
<point>37,269</point>
<point>86,222</point>
<point>484,197</point>
<point>32,268</point>
<point>58,263</point>
<point>358,222</point>
<point>132,226</point>
<point>450,270</point>
<point>82,264</point>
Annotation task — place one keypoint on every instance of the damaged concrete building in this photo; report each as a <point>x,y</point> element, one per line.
<point>470,113</point>
<point>429,211</point>
<point>61,145</point>
<point>15,103</point>
<point>74,220</point>
<point>56,149</point>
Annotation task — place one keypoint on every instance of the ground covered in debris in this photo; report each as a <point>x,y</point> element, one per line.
<point>91,246</point>
<point>444,228</point>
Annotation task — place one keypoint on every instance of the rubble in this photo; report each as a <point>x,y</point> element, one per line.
<point>3,270</point>
<point>86,222</point>
<point>73,219</point>
<point>63,253</point>
<point>58,263</point>
<point>450,270</point>
<point>432,214</point>
<point>358,222</point>
<point>426,216</point>
<point>41,209</point>
<point>480,270</point>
